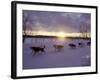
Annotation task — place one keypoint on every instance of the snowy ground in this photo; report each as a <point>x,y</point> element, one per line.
<point>67,57</point>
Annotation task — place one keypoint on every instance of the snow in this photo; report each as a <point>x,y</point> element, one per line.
<point>67,57</point>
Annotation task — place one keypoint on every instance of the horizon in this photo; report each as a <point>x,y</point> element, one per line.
<point>57,34</point>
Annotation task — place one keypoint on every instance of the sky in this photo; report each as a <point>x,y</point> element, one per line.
<point>56,21</point>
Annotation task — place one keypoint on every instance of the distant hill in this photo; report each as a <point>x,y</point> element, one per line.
<point>42,36</point>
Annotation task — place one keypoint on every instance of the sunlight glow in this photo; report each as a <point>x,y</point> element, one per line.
<point>61,34</point>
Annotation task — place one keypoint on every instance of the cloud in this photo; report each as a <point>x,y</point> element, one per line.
<point>55,21</point>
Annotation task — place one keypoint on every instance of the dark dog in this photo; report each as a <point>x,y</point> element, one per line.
<point>81,44</point>
<point>37,49</point>
<point>88,43</point>
<point>58,47</point>
<point>72,45</point>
